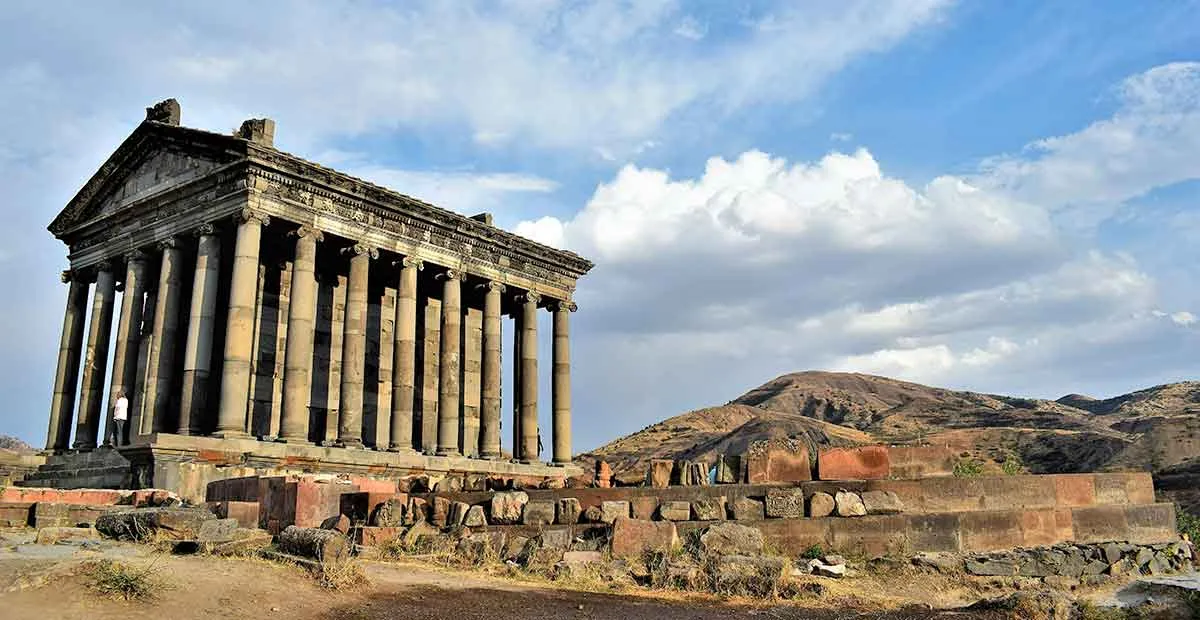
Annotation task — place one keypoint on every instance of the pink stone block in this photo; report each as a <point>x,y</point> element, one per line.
<point>866,463</point>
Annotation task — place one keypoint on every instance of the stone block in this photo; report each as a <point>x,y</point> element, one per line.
<point>555,537</point>
<point>217,530</point>
<point>315,501</point>
<point>506,508</point>
<point>360,505</point>
<point>869,536</point>
<point>46,514</point>
<point>16,514</point>
<point>991,531</point>
<point>244,541</point>
<point>458,514</point>
<point>163,523</point>
<point>778,464</point>
<point>568,511</point>
<point>1041,528</point>
<point>675,511</point>
<point>935,533</point>
<point>418,510</point>
<point>866,463</point>
<point>440,514</point>
<point>475,517</point>
<point>391,512</point>
<point>55,535</point>
<point>915,462</point>
<point>821,505</point>
<point>246,513</point>
<point>746,509</point>
<point>1096,524</point>
<point>580,558</point>
<point>882,503</point>
<point>372,536</point>
<point>731,539</point>
<point>747,575</point>
<point>698,474</point>
<point>728,468</point>
<point>633,537</point>
<point>611,510</point>
<point>592,514</point>
<point>1074,490</point>
<point>849,504</point>
<point>644,507</point>
<point>988,567</point>
<point>1151,523</point>
<point>785,503</point>
<point>539,512</point>
<point>680,473</point>
<point>658,473</point>
<point>709,509</point>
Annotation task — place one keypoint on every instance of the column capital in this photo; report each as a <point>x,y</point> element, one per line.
<point>359,249</point>
<point>307,231</point>
<point>450,274</point>
<point>136,256</point>
<point>563,306</point>
<point>71,275</point>
<point>170,243</point>
<point>251,215</point>
<point>492,285</point>
<point>409,261</point>
<point>205,229</point>
<point>104,265</point>
<point>528,297</point>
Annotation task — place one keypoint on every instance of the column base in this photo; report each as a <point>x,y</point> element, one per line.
<point>399,449</point>
<point>559,463</point>
<point>490,457</point>
<point>448,452</point>
<point>293,441</point>
<point>232,435</point>
<point>349,444</point>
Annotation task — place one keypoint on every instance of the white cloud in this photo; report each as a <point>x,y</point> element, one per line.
<point>1183,318</point>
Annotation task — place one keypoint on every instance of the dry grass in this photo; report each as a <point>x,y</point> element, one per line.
<point>120,580</point>
<point>347,575</point>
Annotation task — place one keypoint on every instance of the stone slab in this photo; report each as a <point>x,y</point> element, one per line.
<point>633,537</point>
<point>865,463</point>
<point>776,464</point>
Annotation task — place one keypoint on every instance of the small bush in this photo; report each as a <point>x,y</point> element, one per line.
<point>346,575</point>
<point>1012,464</point>
<point>1188,523</point>
<point>968,468</point>
<point>120,580</point>
<point>815,552</point>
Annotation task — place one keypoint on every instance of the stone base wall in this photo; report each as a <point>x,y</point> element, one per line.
<point>14,467</point>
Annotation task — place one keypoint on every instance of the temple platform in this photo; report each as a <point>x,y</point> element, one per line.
<point>187,464</point>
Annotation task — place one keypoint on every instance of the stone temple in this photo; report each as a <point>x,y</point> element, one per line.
<point>278,315</point>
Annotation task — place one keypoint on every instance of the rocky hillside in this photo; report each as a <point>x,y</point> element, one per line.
<point>1154,429</point>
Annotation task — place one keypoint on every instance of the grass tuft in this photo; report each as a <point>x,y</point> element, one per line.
<point>120,580</point>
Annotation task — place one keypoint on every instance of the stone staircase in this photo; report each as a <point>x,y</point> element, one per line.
<point>103,468</point>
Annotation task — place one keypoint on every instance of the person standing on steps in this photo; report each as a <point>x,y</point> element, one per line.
<point>120,415</point>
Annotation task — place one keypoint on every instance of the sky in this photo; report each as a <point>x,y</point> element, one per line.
<point>994,196</point>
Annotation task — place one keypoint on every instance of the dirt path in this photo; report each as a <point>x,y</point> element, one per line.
<point>204,588</point>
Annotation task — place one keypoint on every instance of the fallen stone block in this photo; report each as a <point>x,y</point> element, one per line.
<point>245,541</point>
<point>823,569</point>
<point>457,514</point>
<point>729,467</point>
<point>592,514</point>
<point>986,567</point>
<point>866,463</point>
<point>378,536</point>
<point>675,511</point>
<point>632,537</point>
<point>475,517</point>
<point>506,508</point>
<point>643,507</point>
<point>420,535</point>
<point>449,484</point>
<point>440,514</point>
<point>882,503</point>
<point>568,511</point>
<point>246,513</point>
<point>849,504</point>
<point>555,538</point>
<point>513,547</point>
<point>746,509</point>
<point>56,535</point>
<point>942,562</point>
<point>582,557</point>
<point>821,505</point>
<point>731,539</point>
<point>709,509</point>
<point>391,512</point>
<point>315,543</point>
<point>144,523</point>
<point>750,576</point>
<point>217,530</point>
<point>785,503</point>
<point>612,510</point>
<point>539,512</point>
<point>418,510</point>
<point>658,473</point>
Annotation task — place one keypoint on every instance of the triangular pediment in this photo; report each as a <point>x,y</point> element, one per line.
<point>155,158</point>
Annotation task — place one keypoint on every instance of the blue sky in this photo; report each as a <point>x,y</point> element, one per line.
<point>996,196</point>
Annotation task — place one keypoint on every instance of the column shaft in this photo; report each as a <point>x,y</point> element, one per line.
<point>450,358</point>
<point>298,358</point>
<point>517,443</point>
<point>354,348</point>
<point>160,365</point>
<point>197,356</point>
<point>239,328</point>
<point>529,378</point>
<point>96,360</point>
<point>561,382</point>
<point>489,414</point>
<point>404,366</point>
<point>129,332</point>
<point>66,379</point>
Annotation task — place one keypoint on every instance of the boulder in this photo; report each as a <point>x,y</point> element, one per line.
<point>849,504</point>
<point>143,523</point>
<point>658,473</point>
<point>709,509</point>
<point>567,511</point>
<point>56,535</point>
<point>731,539</point>
<point>633,537</point>
<point>882,503</point>
<point>821,505</point>
<point>507,507</point>
<point>675,511</point>
<point>475,517</point>
<point>1112,553</point>
<point>539,512</point>
<point>785,503</point>
<point>746,509</point>
<point>611,510</point>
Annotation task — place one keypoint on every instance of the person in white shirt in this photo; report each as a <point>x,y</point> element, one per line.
<point>120,415</point>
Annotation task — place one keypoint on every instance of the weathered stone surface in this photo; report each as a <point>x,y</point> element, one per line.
<point>821,505</point>
<point>729,467</point>
<point>316,543</point>
<point>610,511</point>
<point>709,509</point>
<point>142,523</point>
<point>632,537</point>
<point>1112,552</point>
<point>658,473</point>
<point>866,463</point>
<point>217,530</point>
<point>56,535</point>
<point>376,536</point>
<point>419,534</point>
<point>458,514</point>
<point>825,569</point>
<point>475,517</point>
<point>675,511</point>
<point>698,474</point>
<point>990,567</point>
<point>555,538</point>
<point>539,512</point>
<point>643,507</point>
<point>582,557</point>
<point>449,484</point>
<point>778,464</point>
<point>418,510</point>
<point>882,503</point>
<point>568,511</point>
<point>942,562</point>
<point>603,478</point>
<point>748,575</point>
<point>507,507</point>
<point>390,513</point>
<point>785,503</point>
<point>731,539</point>
<point>513,547</point>
<point>746,509</point>
<point>681,473</point>
<point>592,514</point>
<point>441,511</point>
<point>849,504</point>
<point>244,541</point>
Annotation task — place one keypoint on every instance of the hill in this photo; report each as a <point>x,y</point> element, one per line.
<point>1155,429</point>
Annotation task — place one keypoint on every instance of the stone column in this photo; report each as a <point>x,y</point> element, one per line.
<point>404,354</point>
<point>160,365</point>
<point>529,377</point>
<point>489,414</point>
<point>516,375</point>
<point>561,381</point>
<point>66,379</point>
<point>197,356</point>
<point>96,360</point>
<point>129,331</point>
<point>298,358</point>
<point>354,347</point>
<point>239,328</point>
<point>449,357</point>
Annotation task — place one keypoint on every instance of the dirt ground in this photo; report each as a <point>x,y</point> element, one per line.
<point>203,588</point>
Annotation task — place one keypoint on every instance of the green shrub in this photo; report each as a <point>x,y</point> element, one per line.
<point>814,552</point>
<point>1188,523</point>
<point>968,468</point>
<point>1012,464</point>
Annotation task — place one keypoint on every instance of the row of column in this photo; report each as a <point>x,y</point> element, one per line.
<point>159,342</point>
